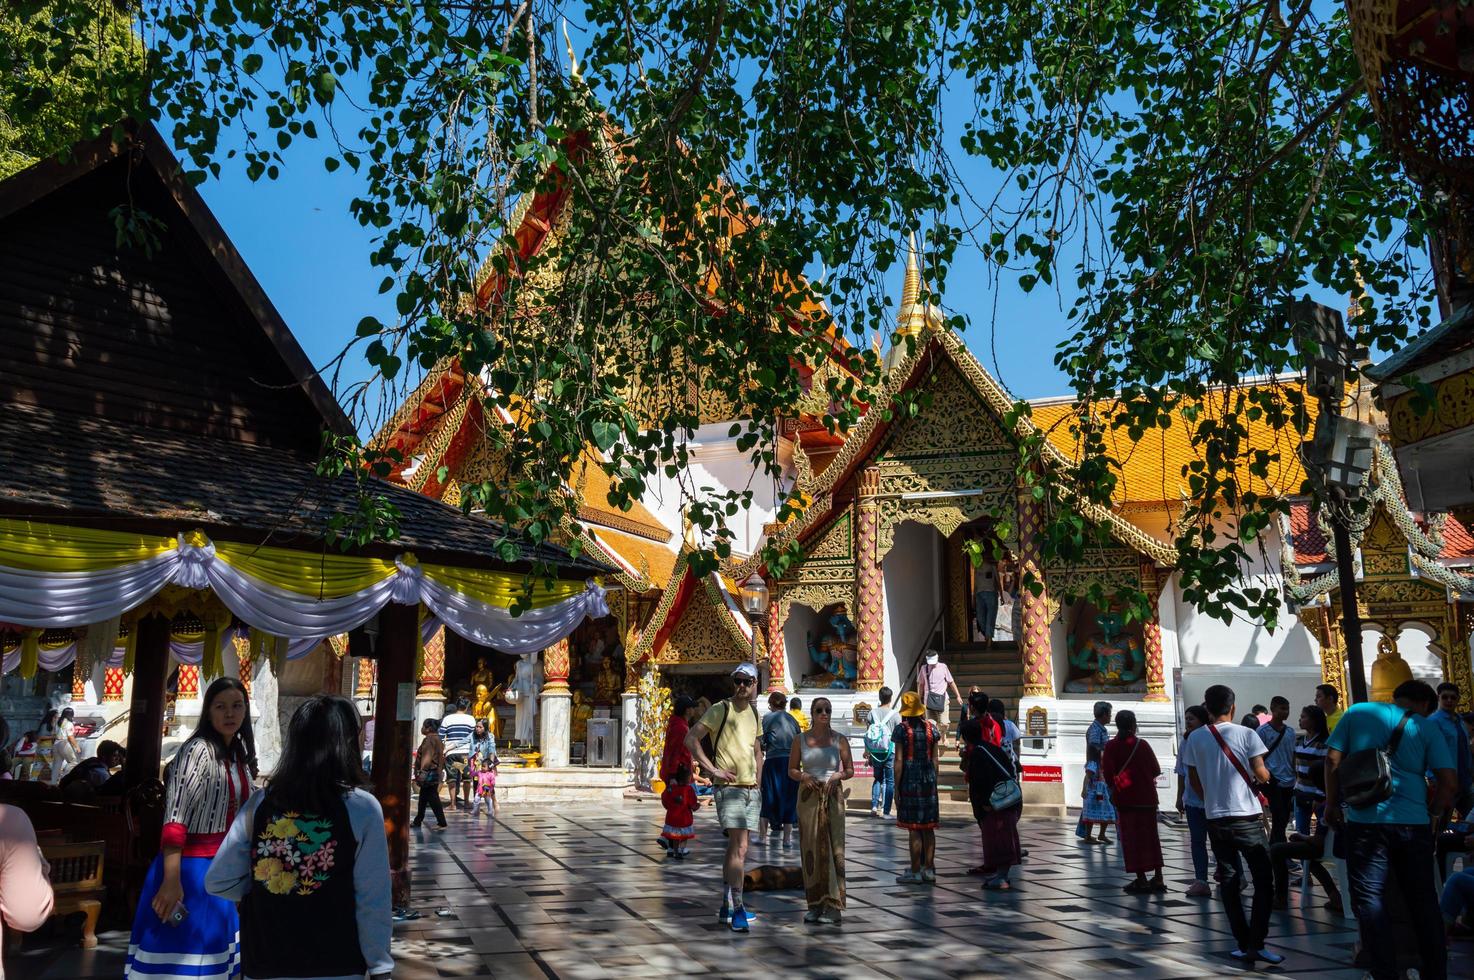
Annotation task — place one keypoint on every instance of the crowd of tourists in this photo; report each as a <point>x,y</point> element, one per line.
<point>1382,787</point>
<point>1385,788</point>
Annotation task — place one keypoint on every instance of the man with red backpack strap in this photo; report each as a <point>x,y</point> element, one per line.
<point>1225,764</point>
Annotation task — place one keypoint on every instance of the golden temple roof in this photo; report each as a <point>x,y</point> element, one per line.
<point>1151,469</point>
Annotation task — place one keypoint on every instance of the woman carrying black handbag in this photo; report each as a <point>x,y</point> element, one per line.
<point>997,801</point>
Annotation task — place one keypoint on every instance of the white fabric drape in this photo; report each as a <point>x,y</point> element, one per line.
<point>492,626</point>
<point>69,599</point>
<point>58,600</point>
<point>183,651</point>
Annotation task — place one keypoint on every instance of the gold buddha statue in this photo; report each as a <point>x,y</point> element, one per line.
<point>1389,669</point>
<point>483,708</point>
<point>482,675</point>
<point>582,712</point>
<point>606,684</point>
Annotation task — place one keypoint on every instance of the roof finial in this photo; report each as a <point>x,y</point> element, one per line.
<point>911,289</point>
<point>573,71</point>
<point>913,313</point>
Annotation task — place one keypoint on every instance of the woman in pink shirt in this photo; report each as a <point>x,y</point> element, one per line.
<point>25,892</point>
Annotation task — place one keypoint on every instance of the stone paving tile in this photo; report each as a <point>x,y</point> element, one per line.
<point>587,894</point>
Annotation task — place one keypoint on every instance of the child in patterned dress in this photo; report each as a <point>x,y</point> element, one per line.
<point>483,779</point>
<point>680,803</point>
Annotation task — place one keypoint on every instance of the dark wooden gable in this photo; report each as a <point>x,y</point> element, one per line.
<point>165,340</point>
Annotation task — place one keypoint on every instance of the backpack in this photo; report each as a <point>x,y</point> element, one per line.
<point>1366,774</point>
<point>878,735</point>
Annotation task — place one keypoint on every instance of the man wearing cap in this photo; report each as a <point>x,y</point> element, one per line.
<point>736,742</point>
<point>933,681</point>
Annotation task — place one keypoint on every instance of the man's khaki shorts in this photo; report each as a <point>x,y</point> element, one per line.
<point>738,807</point>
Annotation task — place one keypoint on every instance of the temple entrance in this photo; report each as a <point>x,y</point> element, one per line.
<point>710,681</point>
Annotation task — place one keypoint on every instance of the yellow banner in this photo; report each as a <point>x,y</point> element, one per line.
<point>326,576</point>
<point>502,589</point>
<point>39,547</point>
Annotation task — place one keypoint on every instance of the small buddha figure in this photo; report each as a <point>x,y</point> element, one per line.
<point>1389,669</point>
<point>582,712</point>
<point>606,684</point>
<point>482,707</point>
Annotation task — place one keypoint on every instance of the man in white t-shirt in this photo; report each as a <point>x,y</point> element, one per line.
<point>1225,764</point>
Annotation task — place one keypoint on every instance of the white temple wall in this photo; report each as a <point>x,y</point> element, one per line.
<point>716,465</point>
<point>914,593</point>
<point>1245,654</point>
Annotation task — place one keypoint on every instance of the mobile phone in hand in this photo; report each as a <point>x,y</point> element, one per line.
<point>179,914</point>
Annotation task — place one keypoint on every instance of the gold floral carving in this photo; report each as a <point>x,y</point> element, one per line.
<point>1452,409</point>
<point>946,514</point>
<point>817,596</point>
<point>701,637</point>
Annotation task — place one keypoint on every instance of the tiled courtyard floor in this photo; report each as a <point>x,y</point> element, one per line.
<point>569,892</point>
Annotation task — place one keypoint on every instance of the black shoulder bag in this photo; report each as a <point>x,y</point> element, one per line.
<point>1366,774</point>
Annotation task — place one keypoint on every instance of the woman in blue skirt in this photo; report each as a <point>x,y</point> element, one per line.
<point>180,930</point>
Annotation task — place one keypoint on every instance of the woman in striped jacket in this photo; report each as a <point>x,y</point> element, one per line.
<point>179,929</point>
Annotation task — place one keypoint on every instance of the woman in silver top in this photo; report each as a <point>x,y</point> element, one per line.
<point>820,762</point>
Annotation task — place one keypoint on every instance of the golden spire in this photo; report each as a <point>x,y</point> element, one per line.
<point>573,72</point>
<point>911,289</point>
<point>913,314</point>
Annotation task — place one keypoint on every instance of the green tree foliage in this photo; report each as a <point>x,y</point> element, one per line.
<point>63,66</point>
<point>1188,166</point>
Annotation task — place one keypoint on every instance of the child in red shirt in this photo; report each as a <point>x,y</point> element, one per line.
<point>680,803</point>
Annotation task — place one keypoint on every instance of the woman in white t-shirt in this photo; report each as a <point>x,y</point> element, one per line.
<point>64,750</point>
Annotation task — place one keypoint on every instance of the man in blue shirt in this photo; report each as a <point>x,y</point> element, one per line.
<point>1279,759</point>
<point>1394,838</point>
<point>1452,723</point>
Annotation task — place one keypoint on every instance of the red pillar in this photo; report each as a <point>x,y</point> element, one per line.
<point>398,637</point>
<point>870,583</point>
<point>777,681</point>
<point>1034,645</point>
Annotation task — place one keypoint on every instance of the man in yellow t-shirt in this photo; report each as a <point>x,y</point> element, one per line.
<point>1328,699</point>
<point>736,741</point>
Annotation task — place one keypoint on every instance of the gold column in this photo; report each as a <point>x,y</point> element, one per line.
<point>365,679</point>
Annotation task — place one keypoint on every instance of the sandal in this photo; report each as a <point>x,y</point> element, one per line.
<point>982,869</point>
<point>1137,888</point>
<point>997,885</point>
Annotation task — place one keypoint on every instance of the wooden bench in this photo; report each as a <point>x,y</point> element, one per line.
<point>76,881</point>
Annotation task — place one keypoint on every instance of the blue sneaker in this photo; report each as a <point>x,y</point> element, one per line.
<point>740,919</point>
<point>725,915</point>
<point>1269,956</point>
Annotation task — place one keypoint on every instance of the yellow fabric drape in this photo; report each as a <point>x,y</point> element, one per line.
<point>501,589</point>
<point>42,547</point>
<point>30,653</point>
<point>305,573</point>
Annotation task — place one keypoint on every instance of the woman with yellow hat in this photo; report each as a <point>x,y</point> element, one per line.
<point>917,743</point>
